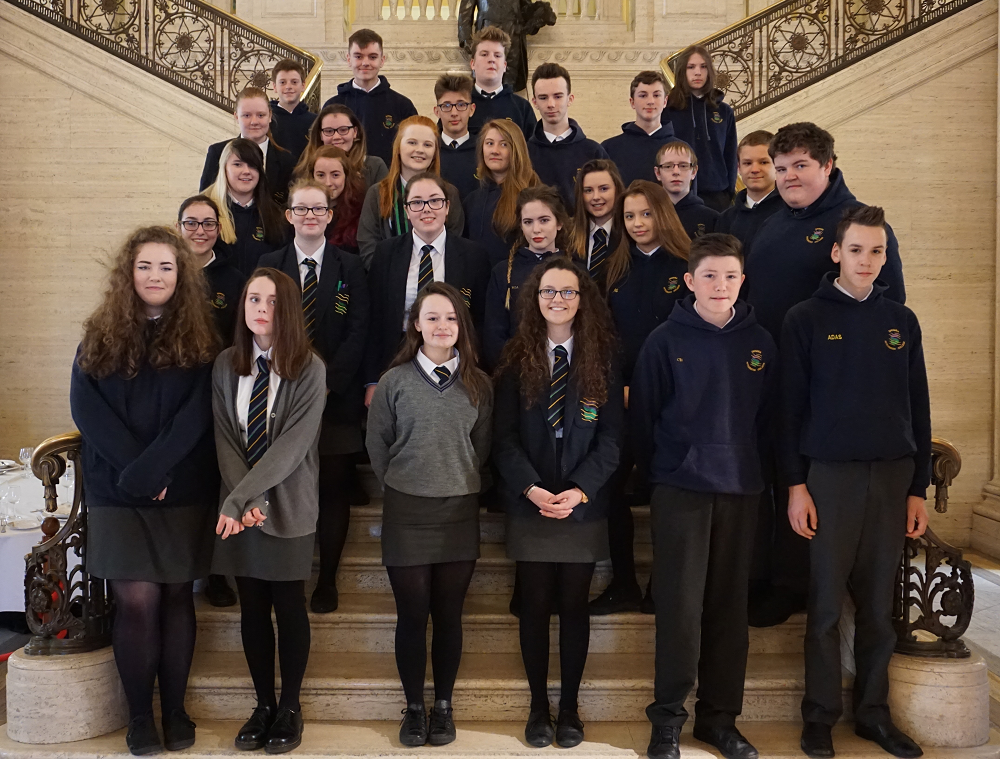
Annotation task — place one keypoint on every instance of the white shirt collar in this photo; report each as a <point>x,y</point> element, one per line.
<point>317,256</point>
<point>754,203</point>
<point>359,87</point>
<point>553,137</point>
<point>257,353</point>
<point>240,204</point>
<point>647,255</point>
<point>446,140</point>
<point>209,261</point>
<point>429,366</point>
<point>486,92</point>
<point>836,283</point>
<point>732,314</point>
<point>568,345</point>
<point>437,243</point>
<point>606,226</point>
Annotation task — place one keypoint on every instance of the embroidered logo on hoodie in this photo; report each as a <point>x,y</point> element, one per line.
<point>258,234</point>
<point>716,117</point>
<point>388,123</point>
<point>756,362</point>
<point>895,341</point>
<point>219,301</point>
<point>672,286</point>
<point>816,236</point>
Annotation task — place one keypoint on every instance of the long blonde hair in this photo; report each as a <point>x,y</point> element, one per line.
<point>520,174</point>
<point>387,187</point>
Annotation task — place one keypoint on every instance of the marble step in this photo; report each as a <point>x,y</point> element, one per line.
<point>614,740</point>
<point>490,687</point>
<point>361,570</point>
<point>365,622</point>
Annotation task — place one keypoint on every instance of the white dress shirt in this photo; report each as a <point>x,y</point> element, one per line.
<point>303,268</point>
<point>606,226</point>
<point>489,94</point>
<point>446,140</point>
<point>437,262</point>
<point>557,137</point>
<point>568,345</point>
<point>244,389</point>
<point>263,147</point>
<point>836,283</point>
<point>429,366</point>
<point>751,203</point>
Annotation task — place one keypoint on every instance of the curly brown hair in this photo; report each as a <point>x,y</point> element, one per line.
<point>594,341</point>
<point>115,340</point>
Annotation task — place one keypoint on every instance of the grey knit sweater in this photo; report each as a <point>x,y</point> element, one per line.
<point>425,439</point>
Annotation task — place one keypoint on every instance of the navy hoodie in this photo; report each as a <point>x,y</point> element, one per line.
<point>380,112</point>
<point>480,205</point>
<point>854,386</point>
<point>557,163</point>
<point>225,286</point>
<point>503,105</point>
<point>634,151</point>
<point>791,252</point>
<point>458,165</point>
<point>742,222</point>
<point>500,322</point>
<point>696,218</point>
<point>712,134</point>
<point>695,400</point>
<point>291,130</point>
<point>643,300</point>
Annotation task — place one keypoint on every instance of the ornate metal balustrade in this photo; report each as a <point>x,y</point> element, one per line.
<point>934,589</point>
<point>189,43</point>
<point>794,43</point>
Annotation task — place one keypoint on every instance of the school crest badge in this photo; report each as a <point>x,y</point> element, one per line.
<point>816,236</point>
<point>340,304</point>
<point>258,234</point>
<point>756,362</point>
<point>672,286</point>
<point>895,341</point>
<point>388,122</point>
<point>588,410</point>
<point>467,297</point>
<point>219,301</point>
<point>716,117</point>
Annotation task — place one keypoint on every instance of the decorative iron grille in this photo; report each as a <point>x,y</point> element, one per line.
<point>189,43</point>
<point>794,43</point>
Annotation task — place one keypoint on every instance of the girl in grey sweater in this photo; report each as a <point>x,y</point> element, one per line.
<point>429,431</point>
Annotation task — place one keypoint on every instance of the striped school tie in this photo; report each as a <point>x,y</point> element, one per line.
<point>599,252</point>
<point>557,388</point>
<point>309,288</point>
<point>257,413</point>
<point>443,373</point>
<point>425,274</point>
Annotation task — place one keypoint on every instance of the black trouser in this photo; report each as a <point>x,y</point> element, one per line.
<point>701,558</point>
<point>780,555</point>
<point>621,524</point>
<point>717,201</point>
<point>335,483</point>
<point>861,531</point>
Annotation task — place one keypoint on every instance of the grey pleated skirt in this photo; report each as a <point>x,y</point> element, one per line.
<point>538,538</point>
<point>166,544</point>
<point>417,530</point>
<point>254,553</point>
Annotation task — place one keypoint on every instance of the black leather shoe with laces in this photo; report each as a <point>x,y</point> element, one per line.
<point>413,728</point>
<point>728,740</point>
<point>178,730</point>
<point>286,732</point>
<point>442,727</point>
<point>538,732</point>
<point>664,743</point>
<point>253,734</point>
<point>569,729</point>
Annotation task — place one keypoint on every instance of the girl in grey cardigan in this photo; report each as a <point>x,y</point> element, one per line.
<point>429,428</point>
<point>268,393</point>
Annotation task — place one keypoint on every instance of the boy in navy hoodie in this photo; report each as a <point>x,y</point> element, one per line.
<point>675,169</point>
<point>493,98</point>
<point>453,95</point>
<point>558,147</point>
<point>379,107</point>
<point>759,199</point>
<point>634,150</point>
<point>290,118</point>
<point>702,381</point>
<point>856,454</point>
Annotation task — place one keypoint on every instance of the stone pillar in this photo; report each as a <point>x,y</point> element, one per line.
<point>941,702</point>
<point>55,699</point>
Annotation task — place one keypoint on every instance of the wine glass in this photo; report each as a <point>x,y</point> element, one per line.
<point>13,498</point>
<point>4,494</point>
<point>25,458</point>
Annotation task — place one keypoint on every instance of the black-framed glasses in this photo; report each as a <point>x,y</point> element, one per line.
<point>209,225</point>
<point>670,166</point>
<point>303,210</point>
<point>446,107</point>
<point>342,131</point>
<point>549,293</point>
<point>435,204</point>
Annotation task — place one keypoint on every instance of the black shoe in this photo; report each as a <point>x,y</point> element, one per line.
<point>413,728</point>
<point>569,729</point>
<point>616,600</point>
<point>538,732</point>
<point>728,740</point>
<point>178,730</point>
<point>253,734</point>
<point>890,738</point>
<point>286,732</point>
<point>324,599</point>
<point>774,606</point>
<point>218,592</point>
<point>664,743</point>
<point>817,741</point>
<point>142,737</point>
<point>442,727</point>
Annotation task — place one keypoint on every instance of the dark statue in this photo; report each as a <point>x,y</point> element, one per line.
<point>518,18</point>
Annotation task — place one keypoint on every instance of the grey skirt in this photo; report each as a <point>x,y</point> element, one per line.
<point>254,553</point>
<point>417,530</point>
<point>538,538</point>
<point>166,544</point>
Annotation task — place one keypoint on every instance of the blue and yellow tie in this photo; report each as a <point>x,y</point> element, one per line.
<point>557,388</point>
<point>257,413</point>
<point>425,274</point>
<point>309,288</point>
<point>443,373</point>
<point>600,251</point>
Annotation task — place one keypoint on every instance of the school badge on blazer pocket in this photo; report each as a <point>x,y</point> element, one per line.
<point>895,341</point>
<point>588,410</point>
<point>342,300</point>
<point>219,301</point>
<point>756,362</point>
<point>816,236</point>
<point>467,297</point>
<point>673,285</point>
<point>716,117</point>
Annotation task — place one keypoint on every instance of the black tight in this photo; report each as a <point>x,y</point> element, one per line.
<point>153,637</point>
<point>288,599</point>
<point>438,591</point>
<point>336,478</point>
<point>567,587</point>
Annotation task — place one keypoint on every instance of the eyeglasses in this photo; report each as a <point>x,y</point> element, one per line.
<point>303,210</point>
<point>446,107</point>
<point>670,166</point>
<point>209,225</point>
<point>342,131</point>
<point>549,294</point>
<point>435,204</point>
